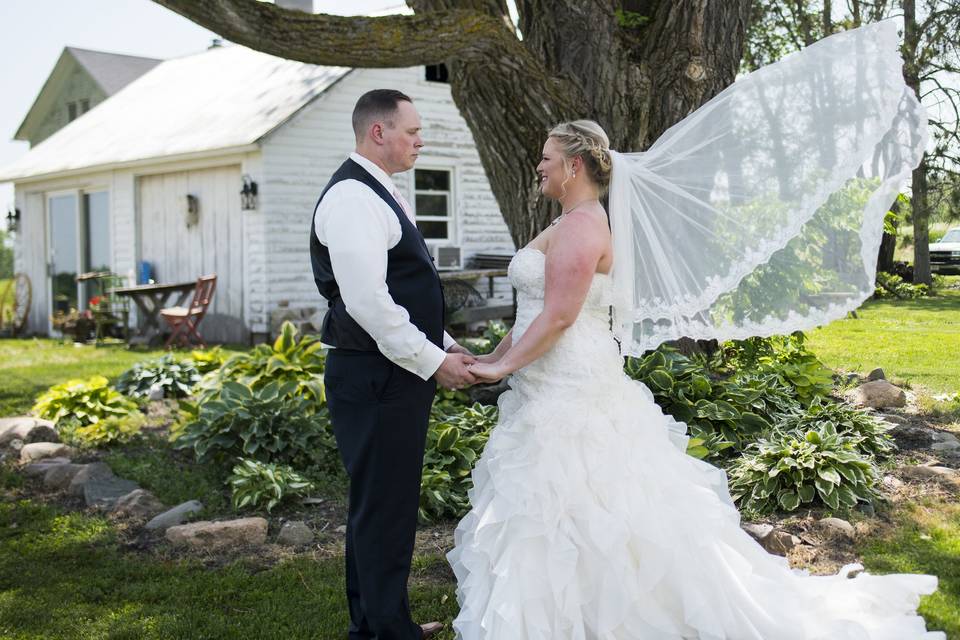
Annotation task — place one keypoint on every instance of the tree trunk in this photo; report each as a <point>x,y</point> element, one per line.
<point>888,244</point>
<point>921,212</point>
<point>577,59</point>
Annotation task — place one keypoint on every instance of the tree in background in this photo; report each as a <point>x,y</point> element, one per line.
<point>931,53</point>
<point>6,256</point>
<point>635,66</point>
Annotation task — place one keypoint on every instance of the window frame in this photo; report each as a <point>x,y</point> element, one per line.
<point>450,218</point>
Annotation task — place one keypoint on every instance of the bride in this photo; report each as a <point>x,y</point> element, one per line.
<point>588,520</point>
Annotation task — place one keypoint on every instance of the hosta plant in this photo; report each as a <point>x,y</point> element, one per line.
<point>255,484</point>
<point>298,360</point>
<point>83,401</point>
<point>110,430</point>
<point>176,378</point>
<point>793,468</point>
<point>207,360</point>
<point>455,439</point>
<point>867,434</point>
<point>269,424</point>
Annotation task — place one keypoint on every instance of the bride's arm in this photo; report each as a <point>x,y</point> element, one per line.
<point>576,247</point>
<point>499,351</point>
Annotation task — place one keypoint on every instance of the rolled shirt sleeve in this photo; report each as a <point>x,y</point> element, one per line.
<point>358,237</point>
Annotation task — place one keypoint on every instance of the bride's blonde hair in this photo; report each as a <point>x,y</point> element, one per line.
<point>587,139</point>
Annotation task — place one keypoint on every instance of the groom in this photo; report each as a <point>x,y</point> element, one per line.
<point>389,351</point>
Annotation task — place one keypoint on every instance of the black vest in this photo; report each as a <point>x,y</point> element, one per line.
<point>412,279</point>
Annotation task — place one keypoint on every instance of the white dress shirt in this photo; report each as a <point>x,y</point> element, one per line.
<point>358,228</point>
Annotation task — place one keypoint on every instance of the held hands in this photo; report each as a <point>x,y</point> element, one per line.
<point>453,372</point>
<point>487,371</point>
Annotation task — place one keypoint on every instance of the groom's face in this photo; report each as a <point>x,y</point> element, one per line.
<point>401,138</point>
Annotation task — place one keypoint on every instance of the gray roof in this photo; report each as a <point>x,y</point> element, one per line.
<point>112,71</point>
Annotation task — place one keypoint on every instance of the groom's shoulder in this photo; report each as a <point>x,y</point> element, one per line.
<point>344,193</point>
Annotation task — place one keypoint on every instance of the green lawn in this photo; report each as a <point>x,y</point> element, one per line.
<point>913,340</point>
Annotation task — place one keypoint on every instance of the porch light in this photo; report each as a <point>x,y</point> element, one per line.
<point>13,220</point>
<point>248,195</point>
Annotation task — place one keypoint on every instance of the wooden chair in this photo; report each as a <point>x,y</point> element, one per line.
<point>183,321</point>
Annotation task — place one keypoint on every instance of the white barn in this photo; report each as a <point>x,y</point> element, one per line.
<point>110,188</point>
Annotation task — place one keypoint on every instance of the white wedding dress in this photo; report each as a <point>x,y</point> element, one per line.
<point>590,522</point>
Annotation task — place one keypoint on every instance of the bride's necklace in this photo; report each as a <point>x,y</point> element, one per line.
<point>563,213</point>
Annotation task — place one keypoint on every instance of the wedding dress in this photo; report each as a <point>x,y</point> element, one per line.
<point>590,522</point>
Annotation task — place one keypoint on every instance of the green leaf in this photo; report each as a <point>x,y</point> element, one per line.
<point>789,500</point>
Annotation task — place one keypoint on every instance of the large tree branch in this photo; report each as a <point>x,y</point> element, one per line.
<point>355,41</point>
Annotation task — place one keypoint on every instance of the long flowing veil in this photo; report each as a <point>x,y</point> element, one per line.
<point>762,212</point>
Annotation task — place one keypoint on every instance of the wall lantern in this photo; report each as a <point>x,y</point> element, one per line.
<point>248,195</point>
<point>193,210</point>
<point>13,220</point>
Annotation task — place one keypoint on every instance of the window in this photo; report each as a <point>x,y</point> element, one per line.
<point>71,111</point>
<point>437,73</point>
<point>432,196</point>
<point>84,106</point>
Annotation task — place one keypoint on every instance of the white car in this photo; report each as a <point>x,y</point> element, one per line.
<point>945,255</point>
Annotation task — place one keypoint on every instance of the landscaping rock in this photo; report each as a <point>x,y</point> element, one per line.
<point>837,526</point>
<point>39,450</point>
<point>910,437</point>
<point>876,374</point>
<point>943,441</point>
<point>103,492</point>
<point>217,535</point>
<point>923,472</point>
<point>58,476</point>
<point>28,429</point>
<point>341,529</point>
<point>892,482</point>
<point>139,503</point>
<point>39,469</point>
<point>295,533</point>
<point>16,445</point>
<point>893,418</point>
<point>867,509</point>
<point>780,542</point>
<point>94,470</point>
<point>879,394</point>
<point>758,532</point>
<point>177,515</point>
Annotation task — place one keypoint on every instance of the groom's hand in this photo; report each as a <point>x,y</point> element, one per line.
<point>453,372</point>
<point>456,348</point>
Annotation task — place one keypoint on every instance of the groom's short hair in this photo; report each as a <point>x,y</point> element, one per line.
<point>379,104</point>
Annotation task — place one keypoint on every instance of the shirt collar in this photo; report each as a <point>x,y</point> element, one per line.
<point>375,171</point>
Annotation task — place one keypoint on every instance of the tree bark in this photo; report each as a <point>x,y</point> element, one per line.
<point>576,59</point>
<point>918,200</point>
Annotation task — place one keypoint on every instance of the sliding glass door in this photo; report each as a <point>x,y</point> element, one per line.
<point>79,243</point>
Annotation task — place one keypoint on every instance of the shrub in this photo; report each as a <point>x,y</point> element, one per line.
<point>893,286</point>
<point>288,359</point>
<point>258,484</point>
<point>85,401</point>
<point>494,332</point>
<point>455,439</point>
<point>175,377</point>
<point>207,360</point>
<point>269,424</point>
<point>786,357</point>
<point>790,468</point>
<point>867,434</point>
<point>110,430</point>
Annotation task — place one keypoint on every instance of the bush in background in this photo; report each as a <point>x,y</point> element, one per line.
<point>83,401</point>
<point>175,378</point>
<point>256,484</point>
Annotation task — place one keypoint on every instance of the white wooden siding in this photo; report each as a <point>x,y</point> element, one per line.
<point>215,245</point>
<point>300,157</point>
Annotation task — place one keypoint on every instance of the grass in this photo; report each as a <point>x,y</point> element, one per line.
<point>30,366</point>
<point>62,577</point>
<point>926,539</point>
<point>914,340</point>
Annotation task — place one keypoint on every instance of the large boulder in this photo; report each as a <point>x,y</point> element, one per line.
<point>922,472</point>
<point>879,394</point>
<point>40,450</point>
<point>39,469</point>
<point>295,533</point>
<point>217,535</point>
<point>28,429</point>
<point>103,492</point>
<point>943,441</point>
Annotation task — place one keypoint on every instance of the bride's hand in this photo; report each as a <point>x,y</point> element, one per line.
<point>486,372</point>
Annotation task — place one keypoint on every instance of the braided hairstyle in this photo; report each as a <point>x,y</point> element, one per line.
<point>585,138</point>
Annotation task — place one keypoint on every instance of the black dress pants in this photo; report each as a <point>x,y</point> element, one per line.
<point>379,412</point>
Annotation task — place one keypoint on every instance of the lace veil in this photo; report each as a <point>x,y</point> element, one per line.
<point>762,211</point>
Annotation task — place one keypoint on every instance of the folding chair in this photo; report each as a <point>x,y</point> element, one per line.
<point>183,321</point>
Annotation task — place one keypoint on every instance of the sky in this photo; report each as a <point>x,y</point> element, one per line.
<point>36,31</point>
